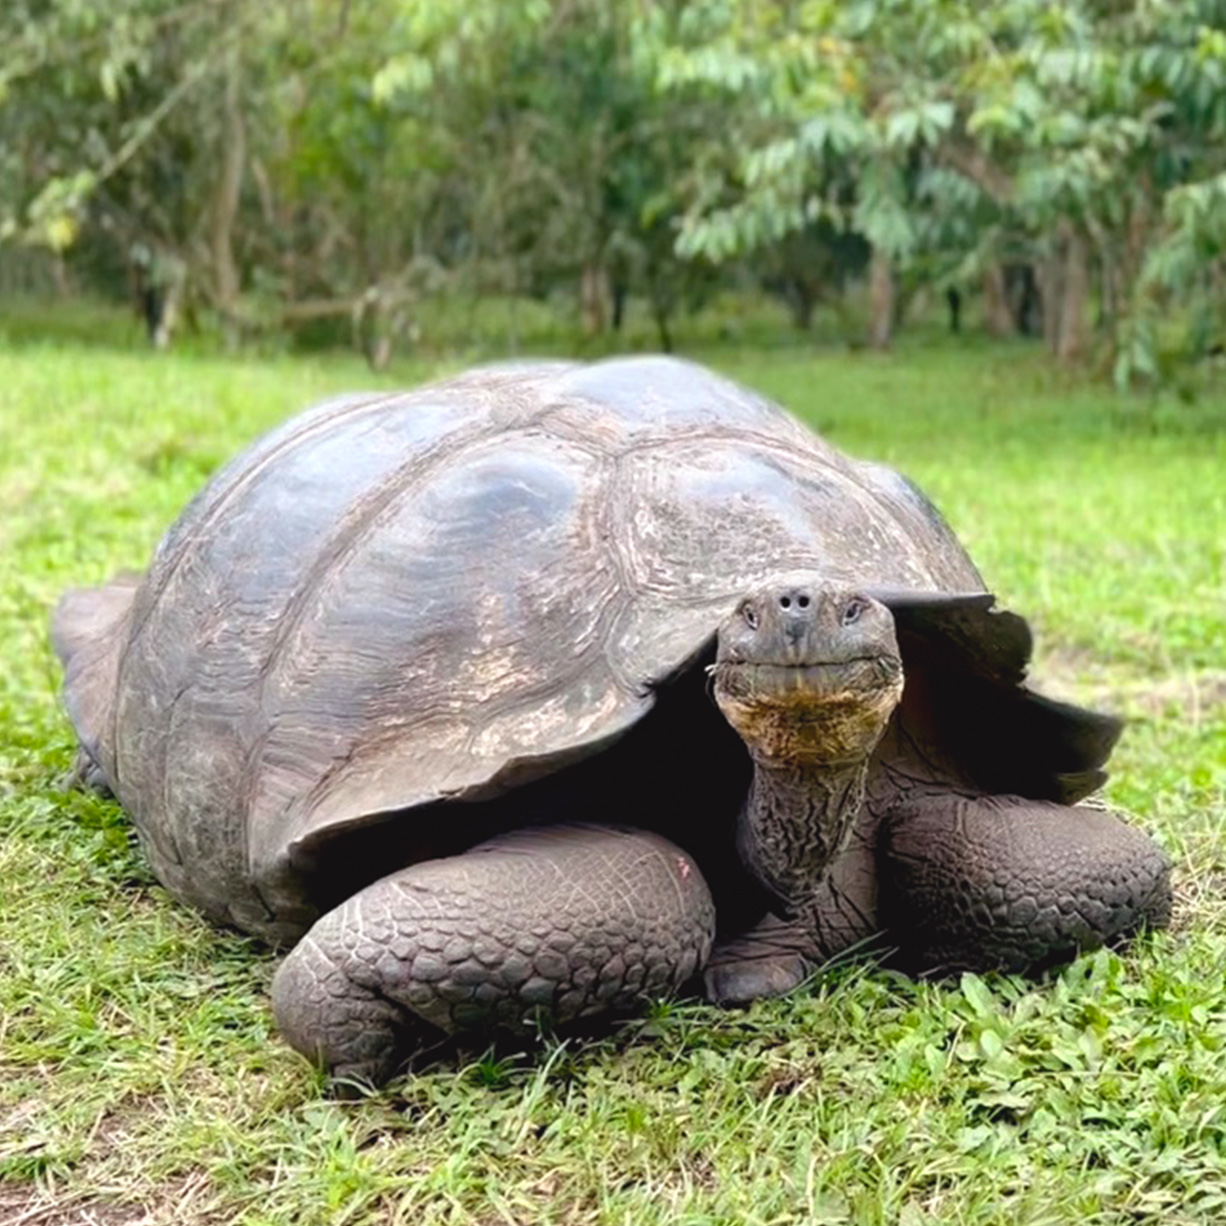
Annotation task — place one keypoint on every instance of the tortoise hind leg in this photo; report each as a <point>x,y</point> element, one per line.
<point>552,923</point>
<point>88,630</point>
<point>1001,882</point>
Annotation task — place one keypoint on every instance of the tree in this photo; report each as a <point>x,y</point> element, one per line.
<point>312,165</point>
<point>122,125</point>
<point>1085,139</point>
<point>573,156</point>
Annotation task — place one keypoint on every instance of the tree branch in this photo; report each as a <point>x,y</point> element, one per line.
<point>974,164</point>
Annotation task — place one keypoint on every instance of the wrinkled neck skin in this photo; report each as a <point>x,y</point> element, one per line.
<point>796,818</point>
<point>914,758</point>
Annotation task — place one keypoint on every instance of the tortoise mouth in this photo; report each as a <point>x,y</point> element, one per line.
<point>812,680</point>
<point>824,712</point>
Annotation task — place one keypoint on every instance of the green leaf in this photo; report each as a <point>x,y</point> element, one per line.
<point>978,995</point>
<point>990,1043</point>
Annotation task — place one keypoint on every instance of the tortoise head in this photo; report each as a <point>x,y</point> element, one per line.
<point>808,672</point>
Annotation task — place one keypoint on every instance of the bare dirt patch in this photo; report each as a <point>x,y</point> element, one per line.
<point>185,1202</point>
<point>1200,898</point>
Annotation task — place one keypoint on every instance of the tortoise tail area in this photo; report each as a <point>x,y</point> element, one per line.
<point>88,631</point>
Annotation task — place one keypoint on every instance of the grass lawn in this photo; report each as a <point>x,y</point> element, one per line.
<point>140,1076</point>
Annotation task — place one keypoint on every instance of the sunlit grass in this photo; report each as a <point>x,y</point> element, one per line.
<point>138,1063</point>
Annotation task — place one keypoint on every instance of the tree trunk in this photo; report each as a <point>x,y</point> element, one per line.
<point>594,298</point>
<point>661,310</point>
<point>621,295</point>
<point>997,317</point>
<point>881,300</point>
<point>168,316</point>
<point>59,276</point>
<point>800,295</point>
<point>1024,294</point>
<point>1050,277</point>
<point>1108,291</point>
<point>1072,338</point>
<point>227,195</point>
<point>1140,224</point>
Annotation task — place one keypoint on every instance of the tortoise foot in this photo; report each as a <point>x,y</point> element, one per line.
<point>539,927</point>
<point>336,1017</point>
<point>771,959</point>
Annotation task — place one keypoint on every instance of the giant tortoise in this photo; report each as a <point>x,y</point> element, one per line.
<point>550,688</point>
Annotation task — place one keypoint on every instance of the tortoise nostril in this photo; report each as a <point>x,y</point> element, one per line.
<point>803,601</point>
<point>785,602</point>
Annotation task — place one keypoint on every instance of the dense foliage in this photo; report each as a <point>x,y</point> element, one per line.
<point>317,163</point>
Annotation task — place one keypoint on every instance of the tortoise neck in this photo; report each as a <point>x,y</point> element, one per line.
<point>796,819</point>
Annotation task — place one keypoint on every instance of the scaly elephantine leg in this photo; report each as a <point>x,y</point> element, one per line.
<point>551,924</point>
<point>1000,882</point>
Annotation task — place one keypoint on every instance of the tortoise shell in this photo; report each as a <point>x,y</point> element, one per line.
<point>397,600</point>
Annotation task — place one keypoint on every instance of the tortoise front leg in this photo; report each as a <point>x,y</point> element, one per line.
<point>778,954</point>
<point>551,924</point>
<point>1001,882</point>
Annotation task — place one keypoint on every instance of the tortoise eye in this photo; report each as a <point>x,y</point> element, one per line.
<point>750,614</point>
<point>852,610</point>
